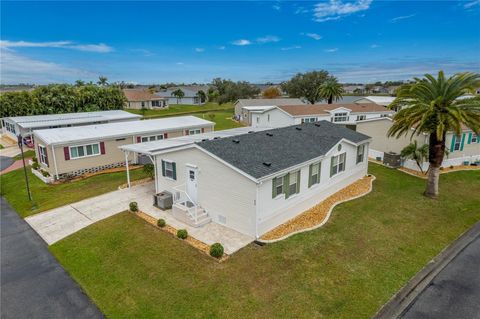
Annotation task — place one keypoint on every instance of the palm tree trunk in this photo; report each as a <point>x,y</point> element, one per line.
<point>330,99</point>
<point>435,158</point>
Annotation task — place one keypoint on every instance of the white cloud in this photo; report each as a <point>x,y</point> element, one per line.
<point>199,50</point>
<point>331,50</point>
<point>222,47</point>
<point>396,19</point>
<point>268,38</point>
<point>21,69</point>
<point>300,10</point>
<point>374,46</point>
<point>276,7</point>
<point>180,63</point>
<point>470,4</point>
<point>99,48</point>
<point>336,9</point>
<point>291,48</point>
<point>312,35</point>
<point>242,42</point>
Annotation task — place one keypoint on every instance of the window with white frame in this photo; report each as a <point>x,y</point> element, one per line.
<point>360,153</point>
<point>277,186</point>
<point>42,154</point>
<point>314,177</point>
<point>195,131</point>
<point>84,150</point>
<point>151,138</point>
<point>337,164</point>
<point>458,142</point>
<point>474,138</point>
<point>169,169</point>
<point>309,119</point>
<point>340,117</point>
<point>361,117</point>
<point>293,183</point>
<point>10,127</point>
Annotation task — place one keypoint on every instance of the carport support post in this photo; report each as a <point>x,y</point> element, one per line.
<point>128,171</point>
<point>155,171</point>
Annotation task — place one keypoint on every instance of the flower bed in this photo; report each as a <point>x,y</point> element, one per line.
<point>318,215</point>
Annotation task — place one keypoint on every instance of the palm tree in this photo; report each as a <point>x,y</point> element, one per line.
<point>418,154</point>
<point>178,93</point>
<point>331,90</point>
<point>432,106</point>
<point>102,80</point>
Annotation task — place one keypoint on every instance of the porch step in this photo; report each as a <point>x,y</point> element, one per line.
<point>180,213</point>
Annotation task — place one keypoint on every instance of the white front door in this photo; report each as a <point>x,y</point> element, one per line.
<point>192,177</point>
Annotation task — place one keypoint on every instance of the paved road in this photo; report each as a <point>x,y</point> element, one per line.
<point>33,284</point>
<point>454,292</point>
<point>5,162</point>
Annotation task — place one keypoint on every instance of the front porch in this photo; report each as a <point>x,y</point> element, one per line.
<point>208,233</point>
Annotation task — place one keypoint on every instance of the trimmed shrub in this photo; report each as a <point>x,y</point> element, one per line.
<point>149,169</point>
<point>134,207</point>
<point>45,173</point>
<point>34,159</point>
<point>161,222</point>
<point>216,250</point>
<point>35,166</point>
<point>182,233</point>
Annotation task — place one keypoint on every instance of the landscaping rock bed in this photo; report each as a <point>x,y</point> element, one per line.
<point>319,214</point>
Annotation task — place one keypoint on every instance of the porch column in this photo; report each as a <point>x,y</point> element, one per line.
<point>152,158</point>
<point>128,171</point>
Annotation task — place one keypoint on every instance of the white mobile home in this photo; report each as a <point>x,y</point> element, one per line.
<point>25,125</point>
<point>244,107</point>
<point>73,151</point>
<point>256,181</point>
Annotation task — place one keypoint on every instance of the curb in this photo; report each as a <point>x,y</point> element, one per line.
<point>404,298</point>
<point>324,221</point>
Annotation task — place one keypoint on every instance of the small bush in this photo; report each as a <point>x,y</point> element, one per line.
<point>216,250</point>
<point>451,166</point>
<point>441,168</point>
<point>149,170</point>
<point>161,223</point>
<point>45,173</point>
<point>133,207</point>
<point>34,159</point>
<point>35,166</point>
<point>182,233</point>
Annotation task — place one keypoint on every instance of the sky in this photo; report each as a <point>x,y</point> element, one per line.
<point>183,42</point>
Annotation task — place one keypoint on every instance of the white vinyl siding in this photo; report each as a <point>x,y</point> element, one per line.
<point>84,150</point>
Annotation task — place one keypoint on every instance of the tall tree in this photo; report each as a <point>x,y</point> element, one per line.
<point>102,80</point>
<point>271,92</point>
<point>202,96</point>
<point>418,154</point>
<point>306,85</point>
<point>179,94</point>
<point>432,106</point>
<point>331,90</point>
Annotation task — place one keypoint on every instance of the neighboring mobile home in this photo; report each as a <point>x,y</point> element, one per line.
<point>73,151</point>
<point>347,114</point>
<point>25,125</point>
<point>191,93</point>
<point>256,181</point>
<point>380,100</point>
<point>461,149</point>
<point>141,99</point>
<point>244,107</point>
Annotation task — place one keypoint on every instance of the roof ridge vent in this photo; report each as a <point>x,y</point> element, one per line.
<point>298,128</point>
<point>267,164</point>
<point>236,141</point>
<point>317,124</point>
<point>269,134</point>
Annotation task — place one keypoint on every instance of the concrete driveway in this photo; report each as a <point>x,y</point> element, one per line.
<point>61,222</point>
<point>33,284</point>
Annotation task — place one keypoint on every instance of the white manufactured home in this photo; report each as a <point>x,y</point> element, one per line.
<point>25,125</point>
<point>72,151</point>
<point>244,107</point>
<point>253,182</point>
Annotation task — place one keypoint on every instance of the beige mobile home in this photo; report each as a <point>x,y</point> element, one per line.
<point>141,99</point>
<point>74,151</point>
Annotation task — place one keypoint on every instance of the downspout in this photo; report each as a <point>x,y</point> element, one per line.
<point>256,210</point>
<point>128,171</point>
<point>55,162</point>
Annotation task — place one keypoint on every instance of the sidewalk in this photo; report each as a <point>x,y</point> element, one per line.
<point>16,165</point>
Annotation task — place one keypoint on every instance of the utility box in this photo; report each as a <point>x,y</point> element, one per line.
<point>163,200</point>
<point>392,160</point>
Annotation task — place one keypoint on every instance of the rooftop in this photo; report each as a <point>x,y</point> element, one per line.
<point>269,102</point>
<point>38,121</point>
<point>322,109</point>
<point>133,95</point>
<point>382,100</point>
<point>117,130</point>
<point>282,148</point>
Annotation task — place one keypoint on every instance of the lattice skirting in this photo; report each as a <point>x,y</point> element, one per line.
<point>83,171</point>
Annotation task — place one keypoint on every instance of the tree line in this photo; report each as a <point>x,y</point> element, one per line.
<point>62,98</point>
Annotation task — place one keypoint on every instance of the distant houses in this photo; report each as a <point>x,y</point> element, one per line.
<point>142,99</point>
<point>244,108</point>
<point>192,94</point>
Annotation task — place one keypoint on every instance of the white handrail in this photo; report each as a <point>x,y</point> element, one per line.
<point>180,189</point>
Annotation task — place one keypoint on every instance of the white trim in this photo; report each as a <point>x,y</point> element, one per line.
<point>85,151</point>
<point>55,162</point>
<point>40,154</point>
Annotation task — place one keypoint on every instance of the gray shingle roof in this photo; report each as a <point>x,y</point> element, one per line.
<point>287,147</point>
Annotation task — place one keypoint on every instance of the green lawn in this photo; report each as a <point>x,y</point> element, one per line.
<point>183,109</point>
<point>346,269</point>
<point>223,119</point>
<point>46,197</point>
<point>26,154</point>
